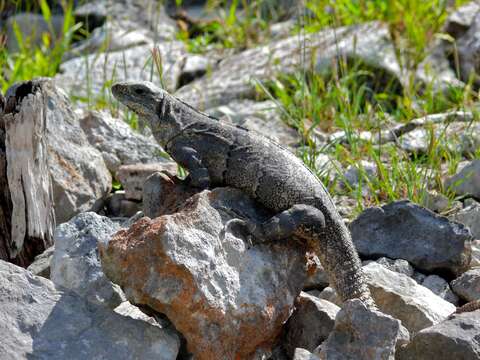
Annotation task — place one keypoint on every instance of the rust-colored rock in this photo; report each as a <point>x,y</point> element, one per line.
<point>227,298</point>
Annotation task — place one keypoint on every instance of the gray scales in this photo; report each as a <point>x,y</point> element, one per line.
<point>219,154</point>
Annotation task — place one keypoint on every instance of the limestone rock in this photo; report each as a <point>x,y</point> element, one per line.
<point>399,265</point>
<point>319,279</point>
<point>228,300</point>
<point>79,175</point>
<point>475,254</point>
<point>302,354</point>
<point>146,24</point>
<point>360,333</point>
<point>84,76</point>
<point>237,75</point>
<point>440,287</point>
<point>262,117</point>
<point>468,46</point>
<point>118,206</point>
<point>462,137</point>
<point>118,143</point>
<point>310,324</point>
<point>398,295</point>
<point>467,286</point>
<point>354,174</point>
<point>41,264</point>
<point>467,180</point>
<point>132,177</point>
<point>469,216</point>
<point>403,230</point>
<point>163,194</point>
<point>461,19</point>
<point>330,295</point>
<point>32,28</point>
<point>76,265</point>
<point>436,202</point>
<point>455,338</point>
<point>39,321</point>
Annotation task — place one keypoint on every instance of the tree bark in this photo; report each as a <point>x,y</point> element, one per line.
<point>27,218</point>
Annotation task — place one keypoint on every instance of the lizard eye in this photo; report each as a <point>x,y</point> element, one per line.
<point>139,91</point>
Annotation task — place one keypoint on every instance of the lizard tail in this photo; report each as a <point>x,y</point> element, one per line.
<point>340,260</point>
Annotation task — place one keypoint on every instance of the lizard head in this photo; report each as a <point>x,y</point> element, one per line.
<point>142,97</point>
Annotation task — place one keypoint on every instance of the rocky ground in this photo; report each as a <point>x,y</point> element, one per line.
<point>180,282</point>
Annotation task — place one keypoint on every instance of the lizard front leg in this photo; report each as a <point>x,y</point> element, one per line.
<point>296,221</point>
<point>190,159</point>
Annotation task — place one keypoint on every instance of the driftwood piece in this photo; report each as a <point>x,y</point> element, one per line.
<point>27,218</point>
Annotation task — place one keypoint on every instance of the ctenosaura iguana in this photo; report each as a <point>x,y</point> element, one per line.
<point>220,154</point>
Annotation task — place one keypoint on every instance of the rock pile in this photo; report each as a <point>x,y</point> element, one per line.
<point>155,269</point>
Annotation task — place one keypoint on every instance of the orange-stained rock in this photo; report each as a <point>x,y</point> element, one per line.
<point>228,299</point>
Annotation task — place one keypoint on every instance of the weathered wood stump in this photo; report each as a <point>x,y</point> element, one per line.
<point>27,218</point>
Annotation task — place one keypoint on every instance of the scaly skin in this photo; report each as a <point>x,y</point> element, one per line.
<point>219,154</point>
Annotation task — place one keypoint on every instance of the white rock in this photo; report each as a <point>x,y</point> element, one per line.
<point>42,322</point>
<point>363,334</point>
<point>118,143</point>
<point>398,295</point>
<point>467,180</point>
<point>467,286</point>
<point>75,264</point>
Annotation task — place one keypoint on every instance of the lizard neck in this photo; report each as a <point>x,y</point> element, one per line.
<point>171,118</point>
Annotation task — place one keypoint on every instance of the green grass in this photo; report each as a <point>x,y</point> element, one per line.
<point>42,60</point>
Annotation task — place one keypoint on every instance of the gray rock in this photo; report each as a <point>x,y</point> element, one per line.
<point>39,321</point>
<point>41,264</point>
<point>195,66</point>
<point>146,24</point>
<point>237,75</point>
<point>282,29</point>
<point>360,333</point>
<point>399,265</point>
<point>108,38</point>
<point>467,286</point>
<point>475,254</point>
<point>302,354</point>
<point>118,143</point>
<point>194,262</point>
<point>403,230</point>
<point>435,70</point>
<point>440,287</point>
<point>319,279</point>
<point>469,216</point>
<point>461,137</point>
<point>459,21</point>
<point>467,180</point>
<point>310,324</point>
<point>436,202</point>
<point>79,175</point>
<point>361,171</point>
<point>75,263</point>
<point>132,177</point>
<point>32,28</point>
<point>330,295</point>
<point>398,295</point>
<point>468,46</point>
<point>86,76</point>
<point>263,117</point>
<point>117,205</point>
<point>455,338</point>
